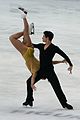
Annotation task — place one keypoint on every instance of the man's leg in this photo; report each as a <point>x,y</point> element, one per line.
<point>52,78</point>
<point>30,99</point>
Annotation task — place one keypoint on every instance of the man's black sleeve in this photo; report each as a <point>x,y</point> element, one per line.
<point>37,45</point>
<point>60,52</point>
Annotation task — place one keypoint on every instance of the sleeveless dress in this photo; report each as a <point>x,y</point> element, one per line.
<point>31,62</point>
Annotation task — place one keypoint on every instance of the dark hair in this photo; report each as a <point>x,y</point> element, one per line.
<point>48,34</point>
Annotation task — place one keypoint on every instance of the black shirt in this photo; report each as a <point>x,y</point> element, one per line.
<point>47,55</point>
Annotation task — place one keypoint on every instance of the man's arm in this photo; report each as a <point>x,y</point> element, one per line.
<point>37,45</point>
<point>60,52</point>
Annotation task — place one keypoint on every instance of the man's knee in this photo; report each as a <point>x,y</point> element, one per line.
<point>28,81</point>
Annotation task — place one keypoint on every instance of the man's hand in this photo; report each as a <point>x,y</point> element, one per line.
<point>70,69</point>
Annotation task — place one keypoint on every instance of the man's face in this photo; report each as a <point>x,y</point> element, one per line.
<point>44,38</point>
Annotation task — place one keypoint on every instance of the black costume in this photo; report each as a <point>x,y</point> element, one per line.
<point>47,71</point>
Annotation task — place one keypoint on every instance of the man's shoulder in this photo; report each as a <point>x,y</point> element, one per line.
<point>41,44</point>
<point>53,45</point>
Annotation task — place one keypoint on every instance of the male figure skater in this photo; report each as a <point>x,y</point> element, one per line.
<point>47,52</point>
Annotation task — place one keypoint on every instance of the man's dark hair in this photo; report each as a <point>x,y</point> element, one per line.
<point>48,34</point>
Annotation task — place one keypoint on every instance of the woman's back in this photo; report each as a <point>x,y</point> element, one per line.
<point>31,62</point>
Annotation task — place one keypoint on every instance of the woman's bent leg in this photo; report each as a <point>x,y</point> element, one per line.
<point>29,98</point>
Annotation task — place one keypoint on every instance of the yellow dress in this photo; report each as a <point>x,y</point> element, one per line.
<point>31,62</point>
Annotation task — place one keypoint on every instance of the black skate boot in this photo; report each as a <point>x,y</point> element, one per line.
<point>68,106</point>
<point>28,102</point>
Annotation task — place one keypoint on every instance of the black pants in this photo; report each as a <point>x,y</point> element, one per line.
<point>53,80</point>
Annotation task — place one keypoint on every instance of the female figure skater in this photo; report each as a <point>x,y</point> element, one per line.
<point>26,49</point>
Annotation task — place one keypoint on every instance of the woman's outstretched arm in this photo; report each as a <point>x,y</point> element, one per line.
<point>59,61</point>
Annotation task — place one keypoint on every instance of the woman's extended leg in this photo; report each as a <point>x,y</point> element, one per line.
<point>27,39</point>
